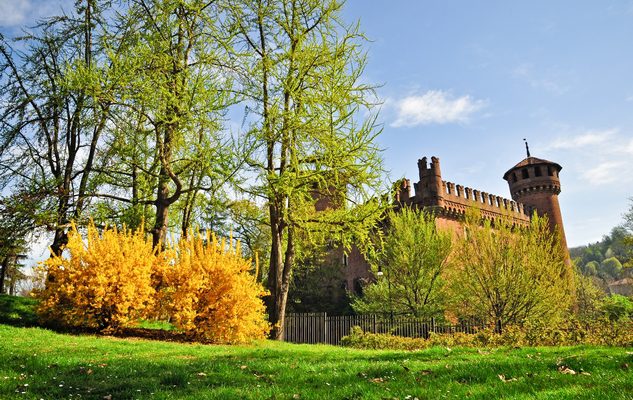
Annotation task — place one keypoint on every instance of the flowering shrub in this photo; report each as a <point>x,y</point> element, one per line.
<point>104,284</point>
<point>115,278</point>
<point>207,289</point>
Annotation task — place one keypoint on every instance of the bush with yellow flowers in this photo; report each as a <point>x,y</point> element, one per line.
<point>114,278</point>
<point>208,291</point>
<point>105,283</point>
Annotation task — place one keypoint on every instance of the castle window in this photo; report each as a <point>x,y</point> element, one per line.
<point>537,171</point>
<point>524,173</point>
<point>345,260</point>
<point>549,171</point>
<point>514,177</point>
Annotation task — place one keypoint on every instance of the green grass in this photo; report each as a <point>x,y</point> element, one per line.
<point>17,311</point>
<point>36,363</point>
<point>39,364</point>
<point>151,324</point>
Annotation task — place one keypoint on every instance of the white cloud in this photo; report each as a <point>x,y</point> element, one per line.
<point>14,12</point>
<point>598,157</point>
<point>589,138</point>
<point>26,13</point>
<point>605,172</point>
<point>435,107</point>
<point>629,147</point>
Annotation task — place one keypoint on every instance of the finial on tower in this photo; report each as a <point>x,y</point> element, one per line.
<point>527,148</point>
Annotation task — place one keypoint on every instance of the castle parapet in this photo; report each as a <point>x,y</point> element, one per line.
<point>453,199</point>
<point>457,199</point>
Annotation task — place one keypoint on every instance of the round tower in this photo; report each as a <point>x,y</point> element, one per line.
<point>535,183</point>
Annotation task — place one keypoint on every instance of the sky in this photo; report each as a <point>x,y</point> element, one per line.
<point>466,81</point>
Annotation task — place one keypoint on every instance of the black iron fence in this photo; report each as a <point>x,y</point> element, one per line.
<point>322,328</point>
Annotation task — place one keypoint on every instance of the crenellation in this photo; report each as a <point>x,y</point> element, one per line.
<point>451,187</point>
<point>452,199</point>
<point>476,196</point>
<point>459,190</point>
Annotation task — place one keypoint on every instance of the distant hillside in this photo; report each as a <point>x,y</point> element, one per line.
<point>609,261</point>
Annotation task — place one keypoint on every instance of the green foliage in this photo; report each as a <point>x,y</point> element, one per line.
<point>588,296</point>
<point>617,307</point>
<point>51,121</point>
<point>591,268</point>
<point>611,267</point>
<point>612,256</point>
<point>175,108</point>
<point>511,274</point>
<point>247,222</point>
<point>409,267</point>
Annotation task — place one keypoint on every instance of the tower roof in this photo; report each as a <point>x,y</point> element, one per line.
<point>531,161</point>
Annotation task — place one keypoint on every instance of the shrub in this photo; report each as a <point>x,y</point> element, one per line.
<point>104,283</point>
<point>378,341</point>
<point>115,278</point>
<point>616,307</point>
<point>568,333</point>
<point>207,289</point>
<point>509,273</point>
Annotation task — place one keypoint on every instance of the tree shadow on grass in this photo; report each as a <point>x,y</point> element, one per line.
<point>18,311</point>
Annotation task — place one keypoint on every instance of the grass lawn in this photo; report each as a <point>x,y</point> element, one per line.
<point>39,364</point>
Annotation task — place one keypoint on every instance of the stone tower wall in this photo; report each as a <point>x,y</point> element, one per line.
<point>537,186</point>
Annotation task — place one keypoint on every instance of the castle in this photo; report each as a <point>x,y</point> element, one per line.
<point>534,186</point>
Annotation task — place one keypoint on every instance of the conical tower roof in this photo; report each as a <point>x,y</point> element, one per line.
<point>532,161</point>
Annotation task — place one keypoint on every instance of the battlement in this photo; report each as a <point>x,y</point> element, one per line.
<point>458,198</point>
<point>452,200</point>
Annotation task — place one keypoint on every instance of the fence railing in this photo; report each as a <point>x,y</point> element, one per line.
<point>316,328</point>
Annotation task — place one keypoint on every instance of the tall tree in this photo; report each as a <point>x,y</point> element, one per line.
<point>312,128</point>
<point>16,226</point>
<point>177,90</point>
<point>50,127</point>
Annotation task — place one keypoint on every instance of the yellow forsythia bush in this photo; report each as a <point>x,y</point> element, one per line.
<point>207,289</point>
<point>105,283</point>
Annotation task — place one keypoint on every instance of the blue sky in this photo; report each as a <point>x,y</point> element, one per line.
<point>467,81</point>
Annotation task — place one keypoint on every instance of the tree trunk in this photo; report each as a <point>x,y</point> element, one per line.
<point>276,312</point>
<point>59,242</point>
<point>159,232</point>
<point>5,266</point>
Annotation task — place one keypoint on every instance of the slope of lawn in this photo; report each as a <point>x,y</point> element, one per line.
<point>40,364</point>
<point>37,363</point>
